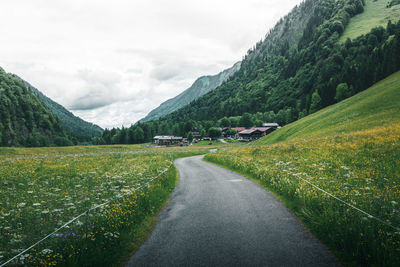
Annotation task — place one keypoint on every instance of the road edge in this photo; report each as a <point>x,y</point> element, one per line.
<point>289,205</point>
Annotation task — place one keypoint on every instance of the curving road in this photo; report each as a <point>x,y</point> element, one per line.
<point>218,218</point>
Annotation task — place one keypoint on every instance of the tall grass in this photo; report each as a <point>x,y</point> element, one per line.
<point>41,189</point>
<point>360,168</point>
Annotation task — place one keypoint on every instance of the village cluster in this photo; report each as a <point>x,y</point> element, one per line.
<point>241,134</point>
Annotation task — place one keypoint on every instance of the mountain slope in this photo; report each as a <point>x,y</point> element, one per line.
<point>73,124</point>
<point>199,88</point>
<point>300,67</point>
<point>373,108</point>
<point>24,119</point>
<point>296,76</point>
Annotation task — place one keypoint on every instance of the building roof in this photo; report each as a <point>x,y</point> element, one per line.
<point>270,124</point>
<point>254,129</point>
<point>168,137</point>
<point>248,131</point>
<point>239,129</point>
<point>262,129</point>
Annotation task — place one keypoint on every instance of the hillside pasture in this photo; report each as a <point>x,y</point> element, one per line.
<point>376,13</point>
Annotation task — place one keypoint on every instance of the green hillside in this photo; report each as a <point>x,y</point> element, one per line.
<point>73,124</point>
<point>376,13</point>
<point>338,171</point>
<point>375,107</point>
<point>199,88</point>
<point>24,119</point>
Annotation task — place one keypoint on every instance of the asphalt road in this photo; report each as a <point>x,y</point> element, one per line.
<point>218,218</point>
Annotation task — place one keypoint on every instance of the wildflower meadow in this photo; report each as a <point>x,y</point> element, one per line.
<point>90,202</point>
<point>345,187</point>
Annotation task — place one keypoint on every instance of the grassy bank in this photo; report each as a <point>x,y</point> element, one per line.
<point>376,13</point>
<point>43,188</point>
<point>350,150</point>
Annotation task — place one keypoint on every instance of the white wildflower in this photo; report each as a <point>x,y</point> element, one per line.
<point>46,251</point>
<point>23,257</point>
<point>21,205</point>
<point>57,210</point>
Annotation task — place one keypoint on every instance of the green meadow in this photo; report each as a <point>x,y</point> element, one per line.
<point>112,194</point>
<point>376,13</point>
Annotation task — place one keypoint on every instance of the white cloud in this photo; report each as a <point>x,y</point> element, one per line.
<point>113,62</point>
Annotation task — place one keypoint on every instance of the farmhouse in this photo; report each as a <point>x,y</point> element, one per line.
<point>254,133</point>
<point>168,140</point>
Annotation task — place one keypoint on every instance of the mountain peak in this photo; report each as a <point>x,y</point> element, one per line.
<point>200,87</point>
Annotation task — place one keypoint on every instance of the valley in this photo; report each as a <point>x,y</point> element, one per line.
<point>150,193</point>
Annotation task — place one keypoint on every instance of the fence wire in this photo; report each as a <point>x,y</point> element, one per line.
<point>80,215</point>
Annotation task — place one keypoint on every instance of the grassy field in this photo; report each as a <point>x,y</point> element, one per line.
<point>352,151</point>
<point>216,142</point>
<point>375,14</point>
<point>43,188</point>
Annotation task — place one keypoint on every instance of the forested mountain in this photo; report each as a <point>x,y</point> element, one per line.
<point>73,124</point>
<point>199,88</point>
<point>24,119</point>
<point>299,68</point>
<point>299,77</point>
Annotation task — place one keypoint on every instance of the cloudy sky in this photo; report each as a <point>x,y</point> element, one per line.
<point>112,62</point>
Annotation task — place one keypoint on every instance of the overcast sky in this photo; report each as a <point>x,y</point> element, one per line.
<point>112,62</point>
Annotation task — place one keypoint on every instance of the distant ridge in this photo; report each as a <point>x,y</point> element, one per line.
<point>200,87</point>
<point>73,124</point>
<point>24,119</point>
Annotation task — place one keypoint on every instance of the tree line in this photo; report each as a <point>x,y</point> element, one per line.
<point>144,132</point>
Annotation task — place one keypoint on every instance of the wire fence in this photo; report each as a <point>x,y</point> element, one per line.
<point>147,184</point>
<point>350,205</point>
<point>161,173</point>
<point>347,204</point>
